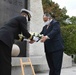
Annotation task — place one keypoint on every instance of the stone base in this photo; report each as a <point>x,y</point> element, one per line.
<point>39,63</point>
<point>67,61</point>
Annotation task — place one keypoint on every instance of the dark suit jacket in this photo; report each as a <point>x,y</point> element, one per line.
<point>55,42</point>
<point>10,30</point>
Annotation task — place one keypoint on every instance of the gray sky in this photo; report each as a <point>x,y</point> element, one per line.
<point>69,4</point>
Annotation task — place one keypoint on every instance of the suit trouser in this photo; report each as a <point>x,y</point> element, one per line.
<point>5,59</point>
<point>54,60</point>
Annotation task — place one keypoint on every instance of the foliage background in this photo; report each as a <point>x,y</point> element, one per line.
<point>69,38</point>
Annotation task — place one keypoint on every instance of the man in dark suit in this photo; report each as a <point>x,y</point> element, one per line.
<point>8,33</point>
<point>53,44</point>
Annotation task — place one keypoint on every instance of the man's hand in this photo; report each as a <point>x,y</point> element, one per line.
<point>31,41</point>
<point>44,38</point>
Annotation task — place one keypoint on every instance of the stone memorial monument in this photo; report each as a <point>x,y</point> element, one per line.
<point>11,8</point>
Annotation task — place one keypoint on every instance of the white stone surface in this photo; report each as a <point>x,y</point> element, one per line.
<point>40,63</point>
<point>67,61</point>
<point>36,25</point>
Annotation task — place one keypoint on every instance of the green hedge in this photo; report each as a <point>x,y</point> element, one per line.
<point>69,38</point>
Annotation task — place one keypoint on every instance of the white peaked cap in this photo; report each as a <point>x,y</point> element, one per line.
<point>25,10</point>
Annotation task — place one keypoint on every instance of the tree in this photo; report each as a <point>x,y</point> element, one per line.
<point>53,8</point>
<point>69,38</point>
<point>73,20</point>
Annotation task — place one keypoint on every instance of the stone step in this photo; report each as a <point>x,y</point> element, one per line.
<point>37,62</point>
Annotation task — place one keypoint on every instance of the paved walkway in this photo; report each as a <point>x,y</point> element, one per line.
<point>64,71</point>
